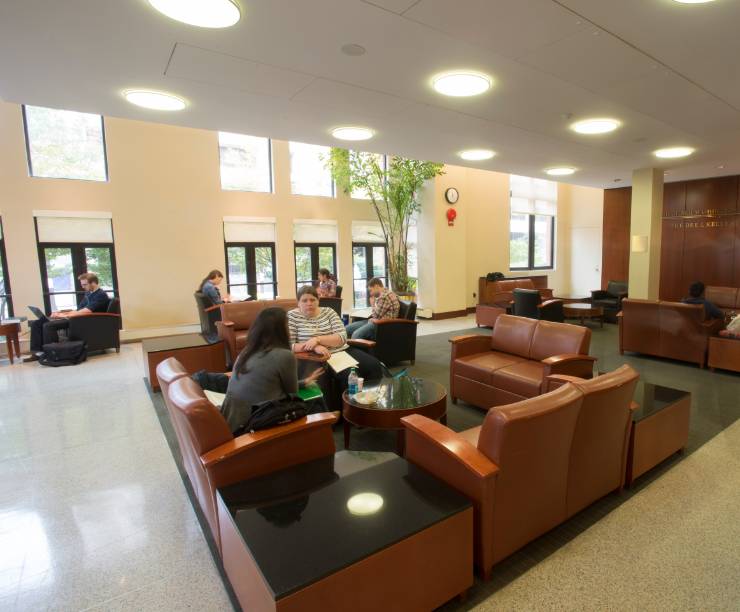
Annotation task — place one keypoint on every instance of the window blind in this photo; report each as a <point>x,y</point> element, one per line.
<point>533,196</point>
<point>314,230</point>
<point>367,231</point>
<point>249,230</point>
<point>77,228</point>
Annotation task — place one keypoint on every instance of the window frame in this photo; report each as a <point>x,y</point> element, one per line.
<point>530,246</point>
<point>29,162</point>
<point>269,163</point>
<point>251,265</point>
<point>7,291</point>
<point>314,246</point>
<point>368,246</point>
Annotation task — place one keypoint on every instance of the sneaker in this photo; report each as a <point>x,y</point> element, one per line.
<point>32,357</point>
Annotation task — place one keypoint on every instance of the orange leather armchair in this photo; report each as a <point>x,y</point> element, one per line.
<point>214,458</point>
<point>237,318</point>
<point>533,464</point>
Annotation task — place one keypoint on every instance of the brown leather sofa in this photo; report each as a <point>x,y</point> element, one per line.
<point>501,296</point>
<point>237,318</point>
<point>213,458</point>
<point>666,329</point>
<point>725,298</point>
<point>514,362</point>
<point>535,463</point>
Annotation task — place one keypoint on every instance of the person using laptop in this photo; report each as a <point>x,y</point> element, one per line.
<point>45,330</point>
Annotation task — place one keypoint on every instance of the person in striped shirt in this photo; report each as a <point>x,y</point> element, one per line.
<point>320,330</point>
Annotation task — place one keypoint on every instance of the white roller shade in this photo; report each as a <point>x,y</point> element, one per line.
<point>311,230</point>
<point>74,229</point>
<point>533,196</point>
<point>255,230</point>
<point>367,231</point>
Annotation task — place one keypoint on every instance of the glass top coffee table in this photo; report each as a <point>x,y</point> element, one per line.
<point>397,398</point>
<point>583,311</point>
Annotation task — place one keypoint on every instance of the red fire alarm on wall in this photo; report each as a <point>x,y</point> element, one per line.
<point>451,216</point>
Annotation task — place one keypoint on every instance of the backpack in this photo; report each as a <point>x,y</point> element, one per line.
<point>494,276</point>
<point>67,353</point>
<point>273,413</point>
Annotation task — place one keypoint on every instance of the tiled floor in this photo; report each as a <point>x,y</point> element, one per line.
<point>93,514</point>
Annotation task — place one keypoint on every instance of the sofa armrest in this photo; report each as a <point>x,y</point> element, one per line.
<point>229,324</point>
<point>547,303</point>
<point>212,308</point>
<point>712,327</point>
<point>574,365</point>
<point>469,345</point>
<point>395,322</point>
<point>365,345</point>
<point>553,381</point>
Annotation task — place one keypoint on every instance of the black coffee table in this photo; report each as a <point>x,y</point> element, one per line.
<point>353,531</point>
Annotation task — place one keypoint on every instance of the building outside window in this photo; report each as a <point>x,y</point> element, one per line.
<point>532,223</point>
<point>245,162</point>
<point>308,172</point>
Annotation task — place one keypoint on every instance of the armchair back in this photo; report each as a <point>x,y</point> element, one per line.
<point>615,288</point>
<point>526,302</point>
<point>727,298</point>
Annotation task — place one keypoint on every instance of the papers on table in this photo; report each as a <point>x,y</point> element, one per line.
<point>342,360</point>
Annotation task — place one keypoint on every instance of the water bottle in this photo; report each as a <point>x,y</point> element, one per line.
<point>352,383</point>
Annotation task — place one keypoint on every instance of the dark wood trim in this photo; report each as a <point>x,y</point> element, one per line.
<point>437,316</point>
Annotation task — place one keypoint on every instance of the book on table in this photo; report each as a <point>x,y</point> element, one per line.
<point>342,360</point>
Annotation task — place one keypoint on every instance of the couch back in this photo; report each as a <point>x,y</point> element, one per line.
<point>616,287</point>
<point>243,314</point>
<point>723,297</point>
<point>538,340</point>
<point>508,286</point>
<point>407,310</point>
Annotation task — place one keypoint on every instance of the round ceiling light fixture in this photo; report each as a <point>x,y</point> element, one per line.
<point>201,13</point>
<point>560,171</point>
<point>461,84</point>
<point>352,133</point>
<point>595,126</point>
<point>673,152</point>
<point>154,100</point>
<point>476,154</point>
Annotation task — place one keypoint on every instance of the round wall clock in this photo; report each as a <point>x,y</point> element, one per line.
<point>452,195</point>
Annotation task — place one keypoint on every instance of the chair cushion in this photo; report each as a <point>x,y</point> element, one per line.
<point>524,378</point>
<point>471,435</point>
<point>605,302</point>
<point>481,366</point>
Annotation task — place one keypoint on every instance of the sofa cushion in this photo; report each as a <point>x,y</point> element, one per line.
<point>524,378</point>
<point>550,339</point>
<point>723,297</point>
<point>481,366</point>
<point>513,335</point>
<point>471,435</point>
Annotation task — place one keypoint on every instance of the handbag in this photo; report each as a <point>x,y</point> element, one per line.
<point>273,413</point>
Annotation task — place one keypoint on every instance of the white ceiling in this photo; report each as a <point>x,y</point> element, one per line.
<point>668,71</point>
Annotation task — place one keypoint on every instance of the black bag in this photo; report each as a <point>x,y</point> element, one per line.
<point>273,413</point>
<point>495,276</point>
<point>211,381</point>
<point>67,353</point>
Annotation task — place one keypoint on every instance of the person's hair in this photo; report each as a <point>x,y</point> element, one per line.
<point>269,331</point>
<point>89,277</point>
<point>211,275</point>
<point>696,289</point>
<point>375,282</point>
<point>326,272</point>
<point>303,291</point>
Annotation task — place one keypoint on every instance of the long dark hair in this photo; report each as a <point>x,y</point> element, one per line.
<point>269,331</point>
<point>211,275</point>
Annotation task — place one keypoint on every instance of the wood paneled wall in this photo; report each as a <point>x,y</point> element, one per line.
<point>700,235</point>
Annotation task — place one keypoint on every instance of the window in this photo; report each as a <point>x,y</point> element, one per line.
<point>68,247</point>
<point>246,163</point>
<point>6,300</point>
<point>65,144</point>
<point>309,258</point>
<point>308,172</point>
<point>250,258</point>
<point>361,194</point>
<point>532,223</point>
<point>368,260</point>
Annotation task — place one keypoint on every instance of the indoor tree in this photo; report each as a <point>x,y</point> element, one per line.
<point>394,190</point>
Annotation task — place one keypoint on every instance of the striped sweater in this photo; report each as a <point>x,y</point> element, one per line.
<point>326,323</point>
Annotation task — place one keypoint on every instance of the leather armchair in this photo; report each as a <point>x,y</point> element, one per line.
<point>214,458</point>
<point>514,362</point>
<point>237,317</point>
<point>610,299</point>
<point>335,303</point>
<point>528,303</point>
<point>532,464</point>
<point>99,330</point>
<point>726,299</point>
<point>395,339</point>
<point>209,315</point>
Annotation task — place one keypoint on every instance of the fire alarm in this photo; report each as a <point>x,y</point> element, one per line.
<point>451,216</point>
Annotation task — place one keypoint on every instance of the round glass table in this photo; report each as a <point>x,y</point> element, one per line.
<point>397,398</point>
<point>582,311</point>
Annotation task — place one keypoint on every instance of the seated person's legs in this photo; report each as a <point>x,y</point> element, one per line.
<point>364,332</point>
<point>368,367</point>
<point>354,326</point>
<point>51,329</point>
<point>37,335</point>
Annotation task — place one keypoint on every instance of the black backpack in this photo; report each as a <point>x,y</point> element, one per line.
<point>273,413</point>
<point>67,353</point>
<point>494,276</point>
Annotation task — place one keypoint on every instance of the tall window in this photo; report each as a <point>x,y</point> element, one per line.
<point>532,225</point>
<point>308,172</point>
<point>412,256</point>
<point>315,244</point>
<point>246,163</point>
<point>250,258</point>
<point>68,247</point>
<point>65,144</point>
<point>368,260</point>
<point>6,300</point>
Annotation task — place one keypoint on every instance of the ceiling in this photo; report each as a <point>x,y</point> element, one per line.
<point>668,71</point>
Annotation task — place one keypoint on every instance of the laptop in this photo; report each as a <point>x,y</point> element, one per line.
<point>38,313</point>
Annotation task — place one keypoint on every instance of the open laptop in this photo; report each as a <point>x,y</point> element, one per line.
<point>38,313</point>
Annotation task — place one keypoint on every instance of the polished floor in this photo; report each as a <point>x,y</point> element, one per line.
<point>94,515</point>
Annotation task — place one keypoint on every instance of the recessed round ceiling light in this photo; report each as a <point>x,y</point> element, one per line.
<point>673,152</point>
<point>155,100</point>
<point>595,126</point>
<point>461,84</point>
<point>476,154</point>
<point>560,171</point>
<point>352,133</point>
<point>201,13</point>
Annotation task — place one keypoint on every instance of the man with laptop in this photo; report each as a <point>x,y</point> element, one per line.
<point>45,330</point>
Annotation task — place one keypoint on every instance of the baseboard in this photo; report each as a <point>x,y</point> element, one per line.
<point>452,314</point>
<point>471,309</point>
<point>136,335</point>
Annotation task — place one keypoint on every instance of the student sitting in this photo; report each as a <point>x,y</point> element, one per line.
<point>327,284</point>
<point>46,331</point>
<point>696,296</point>
<point>209,287</point>
<point>385,306</point>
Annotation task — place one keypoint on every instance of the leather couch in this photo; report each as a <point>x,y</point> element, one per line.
<point>725,298</point>
<point>501,296</point>
<point>237,318</point>
<point>213,457</point>
<point>209,315</point>
<point>666,329</point>
<point>532,464</point>
<point>610,299</point>
<point>528,303</point>
<point>99,330</point>
<point>514,362</point>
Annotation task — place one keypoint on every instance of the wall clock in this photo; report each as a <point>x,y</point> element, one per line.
<point>452,195</point>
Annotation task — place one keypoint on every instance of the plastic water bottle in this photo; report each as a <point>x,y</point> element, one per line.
<point>352,383</point>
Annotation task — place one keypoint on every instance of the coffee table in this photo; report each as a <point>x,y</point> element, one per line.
<point>660,427</point>
<point>397,398</point>
<point>582,311</point>
<point>352,531</point>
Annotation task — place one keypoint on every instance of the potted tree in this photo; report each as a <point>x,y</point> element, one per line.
<point>393,191</point>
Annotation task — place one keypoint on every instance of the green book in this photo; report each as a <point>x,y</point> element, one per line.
<point>310,393</point>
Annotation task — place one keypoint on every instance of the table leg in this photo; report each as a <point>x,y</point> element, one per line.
<point>601,321</point>
<point>347,430</point>
<point>17,344</point>
<point>400,442</point>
